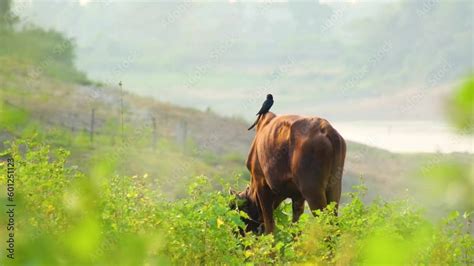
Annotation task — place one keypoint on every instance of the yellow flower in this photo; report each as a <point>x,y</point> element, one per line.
<point>219,222</point>
<point>50,209</point>
<point>248,253</point>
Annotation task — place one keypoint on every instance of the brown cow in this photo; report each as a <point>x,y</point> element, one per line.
<point>295,157</point>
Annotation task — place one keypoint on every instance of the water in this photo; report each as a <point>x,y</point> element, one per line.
<point>407,136</point>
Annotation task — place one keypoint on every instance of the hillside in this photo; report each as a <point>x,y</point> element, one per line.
<point>188,142</point>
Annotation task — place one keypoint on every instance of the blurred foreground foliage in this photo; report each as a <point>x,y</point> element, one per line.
<point>462,106</point>
<point>65,217</point>
<point>453,181</point>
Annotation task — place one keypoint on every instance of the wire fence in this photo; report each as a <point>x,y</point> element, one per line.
<point>95,124</point>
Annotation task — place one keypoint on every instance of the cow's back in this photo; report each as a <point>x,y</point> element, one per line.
<point>268,159</point>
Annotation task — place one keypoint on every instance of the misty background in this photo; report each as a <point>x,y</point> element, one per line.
<point>386,62</point>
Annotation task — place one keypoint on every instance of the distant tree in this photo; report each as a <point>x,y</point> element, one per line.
<point>7,18</point>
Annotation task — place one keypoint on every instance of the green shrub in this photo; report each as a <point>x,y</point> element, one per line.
<point>52,54</point>
<point>68,218</point>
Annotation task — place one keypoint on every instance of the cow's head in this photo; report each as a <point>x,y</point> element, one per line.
<point>244,202</point>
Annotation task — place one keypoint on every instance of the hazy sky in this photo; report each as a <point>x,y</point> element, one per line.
<point>352,60</point>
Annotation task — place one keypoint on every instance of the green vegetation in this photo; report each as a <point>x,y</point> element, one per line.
<point>46,53</point>
<point>51,54</point>
<point>68,218</point>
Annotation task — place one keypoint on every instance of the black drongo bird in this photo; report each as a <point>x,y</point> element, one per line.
<point>267,104</point>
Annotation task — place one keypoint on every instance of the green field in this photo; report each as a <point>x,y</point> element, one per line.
<point>66,217</point>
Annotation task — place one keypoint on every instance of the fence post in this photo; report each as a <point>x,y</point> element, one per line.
<point>73,120</point>
<point>181,133</point>
<point>92,125</point>
<point>154,140</point>
<point>121,110</point>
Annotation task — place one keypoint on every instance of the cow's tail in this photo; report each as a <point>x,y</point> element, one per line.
<point>335,181</point>
<point>255,123</point>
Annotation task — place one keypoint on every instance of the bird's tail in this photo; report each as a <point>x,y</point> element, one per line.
<point>255,123</point>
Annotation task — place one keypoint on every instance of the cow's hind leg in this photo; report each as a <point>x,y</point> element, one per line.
<point>333,194</point>
<point>313,189</point>
<point>316,200</point>
<point>311,166</point>
<point>314,193</point>
<point>297,205</point>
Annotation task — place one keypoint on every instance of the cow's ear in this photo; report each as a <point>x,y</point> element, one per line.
<point>239,199</point>
<point>232,192</point>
